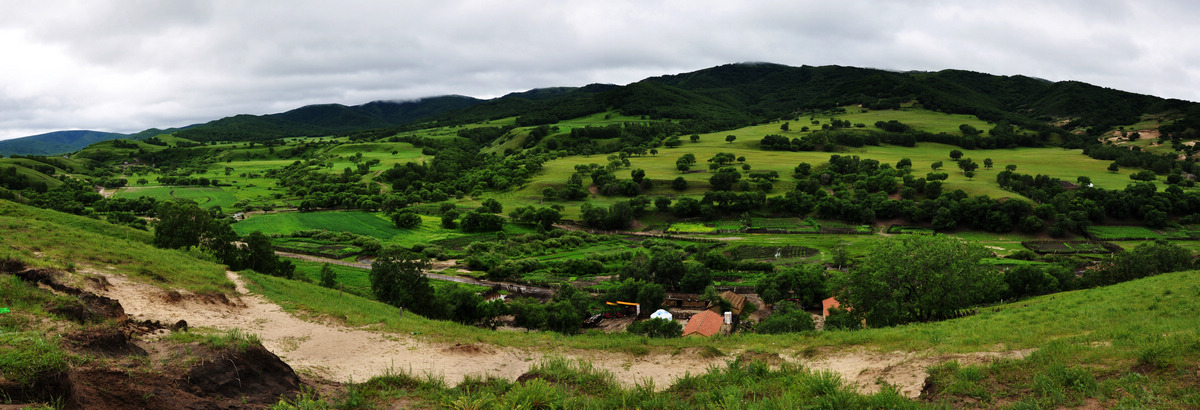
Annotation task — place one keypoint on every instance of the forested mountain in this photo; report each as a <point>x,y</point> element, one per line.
<point>711,99</point>
<point>325,119</point>
<point>57,142</point>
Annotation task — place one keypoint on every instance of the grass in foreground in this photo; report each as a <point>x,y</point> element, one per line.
<point>561,383</point>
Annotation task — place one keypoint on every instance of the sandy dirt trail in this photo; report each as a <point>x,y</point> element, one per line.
<point>340,353</point>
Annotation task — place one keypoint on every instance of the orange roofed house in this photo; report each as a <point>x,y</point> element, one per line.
<point>829,304</point>
<point>705,323</point>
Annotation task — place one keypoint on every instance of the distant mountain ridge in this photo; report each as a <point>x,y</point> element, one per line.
<point>57,142</point>
<point>725,97</point>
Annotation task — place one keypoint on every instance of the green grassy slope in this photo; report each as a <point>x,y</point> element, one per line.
<point>67,242</point>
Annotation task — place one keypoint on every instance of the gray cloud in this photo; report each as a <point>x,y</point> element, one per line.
<point>129,65</point>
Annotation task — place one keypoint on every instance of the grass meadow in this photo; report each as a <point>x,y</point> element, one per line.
<point>66,242</point>
<point>205,197</point>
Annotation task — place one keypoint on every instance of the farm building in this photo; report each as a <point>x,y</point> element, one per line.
<point>685,301</point>
<point>706,323</point>
<point>829,304</point>
<point>737,302</point>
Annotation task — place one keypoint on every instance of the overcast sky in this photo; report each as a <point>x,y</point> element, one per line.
<point>124,66</point>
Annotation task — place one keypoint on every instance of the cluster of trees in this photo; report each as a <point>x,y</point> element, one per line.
<point>1003,135</point>
<point>922,278</point>
<point>1074,210</point>
<point>187,181</point>
<point>183,225</point>
<point>398,279</point>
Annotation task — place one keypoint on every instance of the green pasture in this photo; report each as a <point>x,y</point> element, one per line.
<point>340,155</point>
<point>1056,162</point>
<point>205,197</point>
<point>29,174</point>
<point>66,242</point>
<point>350,280</point>
<point>371,224</point>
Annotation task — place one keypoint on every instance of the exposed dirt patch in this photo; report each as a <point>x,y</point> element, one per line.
<point>105,341</point>
<point>905,370</point>
<point>469,349</point>
<point>128,376</point>
<point>769,359</point>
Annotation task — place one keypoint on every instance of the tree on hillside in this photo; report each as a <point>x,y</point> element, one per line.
<point>987,163</point>
<point>730,138</point>
<point>695,137</point>
<point>724,179</point>
<point>936,165</point>
<point>491,205</point>
<point>637,175</point>
<point>328,276</point>
<point>679,184</point>
<point>260,256</point>
<point>406,219</point>
<point>787,318</point>
<point>805,283</point>
<point>918,278</point>
<point>955,154</point>
<point>182,224</point>
<point>398,279</point>
<point>967,165</point>
<point>481,222</point>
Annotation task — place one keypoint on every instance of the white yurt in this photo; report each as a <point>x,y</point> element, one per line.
<point>662,314</point>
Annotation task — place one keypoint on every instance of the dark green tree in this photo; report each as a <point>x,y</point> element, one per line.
<point>679,184</point>
<point>406,219</point>
<point>918,278</point>
<point>328,276</point>
<point>659,328</point>
<point>804,282</point>
<point>492,206</point>
<point>398,279</point>
<point>787,318</point>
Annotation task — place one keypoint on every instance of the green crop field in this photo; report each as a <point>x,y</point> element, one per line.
<point>361,223</point>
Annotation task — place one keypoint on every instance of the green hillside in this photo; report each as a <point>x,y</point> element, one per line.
<point>1059,220</point>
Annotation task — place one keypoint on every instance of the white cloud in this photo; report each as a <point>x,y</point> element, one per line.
<point>129,65</point>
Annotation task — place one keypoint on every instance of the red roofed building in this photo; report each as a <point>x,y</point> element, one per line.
<point>705,323</point>
<point>829,303</point>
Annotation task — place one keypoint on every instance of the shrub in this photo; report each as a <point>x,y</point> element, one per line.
<point>656,328</point>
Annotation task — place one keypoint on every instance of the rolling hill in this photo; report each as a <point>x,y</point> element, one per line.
<point>58,142</point>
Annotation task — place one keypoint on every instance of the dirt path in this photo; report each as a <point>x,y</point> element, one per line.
<point>340,353</point>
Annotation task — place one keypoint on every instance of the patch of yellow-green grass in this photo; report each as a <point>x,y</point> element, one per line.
<point>383,151</point>
<point>205,197</point>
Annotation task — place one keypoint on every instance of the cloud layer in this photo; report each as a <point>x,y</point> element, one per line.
<point>125,66</point>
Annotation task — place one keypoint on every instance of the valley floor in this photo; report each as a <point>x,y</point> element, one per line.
<point>324,349</point>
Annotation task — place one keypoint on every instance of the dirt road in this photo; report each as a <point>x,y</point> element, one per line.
<point>340,353</point>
